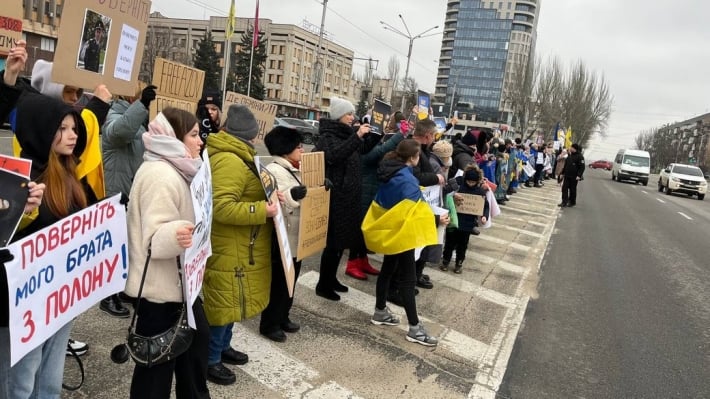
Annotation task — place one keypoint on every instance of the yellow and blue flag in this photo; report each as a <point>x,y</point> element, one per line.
<point>405,226</point>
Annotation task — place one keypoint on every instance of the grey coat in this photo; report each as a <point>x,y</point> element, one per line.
<point>122,145</point>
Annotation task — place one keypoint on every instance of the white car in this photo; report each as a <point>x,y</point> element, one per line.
<point>687,179</point>
<point>312,122</point>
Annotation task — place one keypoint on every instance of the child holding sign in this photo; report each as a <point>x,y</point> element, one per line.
<point>457,238</point>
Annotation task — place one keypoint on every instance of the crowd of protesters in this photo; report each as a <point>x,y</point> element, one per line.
<point>83,154</point>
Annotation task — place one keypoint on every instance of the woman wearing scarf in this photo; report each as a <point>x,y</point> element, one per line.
<point>161,217</point>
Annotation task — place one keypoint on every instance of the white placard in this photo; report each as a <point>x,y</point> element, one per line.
<point>201,249</point>
<point>432,195</point>
<point>127,47</point>
<point>63,270</point>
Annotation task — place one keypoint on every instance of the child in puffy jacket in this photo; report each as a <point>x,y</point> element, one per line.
<point>457,238</point>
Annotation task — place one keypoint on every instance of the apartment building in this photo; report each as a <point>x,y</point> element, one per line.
<point>40,26</point>
<point>485,44</point>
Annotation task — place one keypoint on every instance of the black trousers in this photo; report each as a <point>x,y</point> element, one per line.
<point>190,368</point>
<point>456,240</point>
<point>569,190</point>
<point>329,261</point>
<point>280,303</point>
<point>538,173</point>
<point>400,267</point>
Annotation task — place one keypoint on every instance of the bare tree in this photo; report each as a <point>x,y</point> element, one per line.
<point>393,68</point>
<point>520,93</point>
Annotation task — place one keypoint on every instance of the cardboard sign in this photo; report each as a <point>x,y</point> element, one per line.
<point>12,203</point>
<point>178,86</point>
<point>162,102</point>
<point>196,256</point>
<point>10,25</point>
<point>263,113</point>
<point>472,204</point>
<point>269,182</point>
<point>63,270</point>
<point>101,42</point>
<point>313,229</point>
<point>380,116</point>
<point>313,169</point>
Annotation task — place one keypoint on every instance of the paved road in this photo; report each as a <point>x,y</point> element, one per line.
<point>339,354</point>
<point>624,306</point>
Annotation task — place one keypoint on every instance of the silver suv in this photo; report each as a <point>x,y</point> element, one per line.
<point>687,179</point>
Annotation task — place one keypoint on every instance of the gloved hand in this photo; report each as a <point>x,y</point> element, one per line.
<point>147,95</point>
<point>298,193</point>
<point>328,184</point>
<point>452,185</point>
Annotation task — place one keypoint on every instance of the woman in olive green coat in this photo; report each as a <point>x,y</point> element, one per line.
<point>238,275</point>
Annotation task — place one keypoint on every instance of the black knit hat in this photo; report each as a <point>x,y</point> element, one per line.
<point>282,140</point>
<point>211,98</point>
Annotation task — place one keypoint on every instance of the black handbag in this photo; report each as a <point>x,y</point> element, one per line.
<point>159,348</point>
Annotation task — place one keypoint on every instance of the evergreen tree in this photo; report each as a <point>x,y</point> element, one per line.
<point>361,107</point>
<point>207,59</point>
<point>241,66</point>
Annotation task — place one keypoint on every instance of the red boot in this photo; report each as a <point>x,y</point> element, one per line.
<point>352,269</point>
<point>366,267</point>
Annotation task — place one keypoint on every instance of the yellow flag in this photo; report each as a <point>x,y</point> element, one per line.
<point>568,138</point>
<point>229,30</point>
<point>405,226</point>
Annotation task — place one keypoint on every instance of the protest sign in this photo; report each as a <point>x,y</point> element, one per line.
<point>178,86</point>
<point>380,116</point>
<point>10,25</point>
<point>423,104</point>
<point>315,207</point>
<point>64,269</point>
<point>472,204</point>
<point>263,113</point>
<point>440,124</point>
<point>101,42</point>
<point>196,256</point>
<point>432,195</point>
<point>12,203</point>
<point>269,182</point>
<point>20,166</point>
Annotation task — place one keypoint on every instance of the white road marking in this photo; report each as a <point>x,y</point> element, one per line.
<point>508,217</point>
<point>660,200</point>
<point>685,216</point>
<point>453,341</point>
<point>505,208</point>
<point>449,280</point>
<point>521,231</point>
<point>282,373</point>
<point>499,241</point>
<point>498,263</point>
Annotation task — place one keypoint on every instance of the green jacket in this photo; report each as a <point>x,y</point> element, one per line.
<point>238,275</point>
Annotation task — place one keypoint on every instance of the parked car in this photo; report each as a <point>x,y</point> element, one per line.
<point>309,134</point>
<point>601,165</point>
<point>312,122</point>
<point>687,179</point>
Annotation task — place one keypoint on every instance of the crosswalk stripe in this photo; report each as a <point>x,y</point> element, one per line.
<point>505,208</point>
<point>498,263</point>
<point>499,241</point>
<point>521,231</point>
<point>451,340</point>
<point>504,217</point>
<point>449,280</point>
<point>282,373</point>
<point>516,199</point>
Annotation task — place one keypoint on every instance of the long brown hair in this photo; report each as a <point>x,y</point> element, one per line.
<point>405,150</point>
<point>181,121</point>
<point>63,194</point>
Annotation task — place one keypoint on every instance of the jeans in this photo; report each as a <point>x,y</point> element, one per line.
<point>39,374</point>
<point>220,341</point>
<point>401,265</point>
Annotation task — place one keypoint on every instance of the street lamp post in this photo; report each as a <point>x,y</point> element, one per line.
<point>411,39</point>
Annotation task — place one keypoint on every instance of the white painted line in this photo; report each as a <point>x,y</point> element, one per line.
<point>508,217</point>
<point>499,241</point>
<point>453,341</point>
<point>449,280</point>
<point>660,200</point>
<point>505,208</point>
<point>685,216</point>
<point>498,263</point>
<point>521,231</point>
<point>547,201</point>
<point>282,373</point>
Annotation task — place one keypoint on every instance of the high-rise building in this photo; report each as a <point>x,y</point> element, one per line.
<point>485,45</point>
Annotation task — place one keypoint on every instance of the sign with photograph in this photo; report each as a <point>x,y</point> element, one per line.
<point>101,42</point>
<point>10,25</point>
<point>264,113</point>
<point>471,204</point>
<point>63,270</point>
<point>380,117</point>
<point>423,104</point>
<point>178,86</point>
<point>12,203</point>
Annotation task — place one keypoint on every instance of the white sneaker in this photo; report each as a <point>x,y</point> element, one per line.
<point>419,335</point>
<point>80,348</point>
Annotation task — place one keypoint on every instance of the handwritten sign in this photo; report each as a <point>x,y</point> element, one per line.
<point>313,229</point>
<point>313,168</point>
<point>101,42</point>
<point>179,86</point>
<point>432,195</point>
<point>63,270</point>
<point>264,113</point>
<point>472,204</point>
<point>10,25</point>
<point>201,249</point>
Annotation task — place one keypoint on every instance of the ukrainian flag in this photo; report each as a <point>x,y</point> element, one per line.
<point>405,226</point>
<point>568,138</point>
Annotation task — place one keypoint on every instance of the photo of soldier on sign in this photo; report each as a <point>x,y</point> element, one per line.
<point>94,41</point>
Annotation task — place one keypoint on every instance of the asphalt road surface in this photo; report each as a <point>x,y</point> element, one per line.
<point>624,305</point>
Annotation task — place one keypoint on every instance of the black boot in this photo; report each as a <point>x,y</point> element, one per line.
<point>113,306</point>
<point>458,266</point>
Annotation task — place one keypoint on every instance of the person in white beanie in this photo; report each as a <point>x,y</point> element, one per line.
<point>342,146</point>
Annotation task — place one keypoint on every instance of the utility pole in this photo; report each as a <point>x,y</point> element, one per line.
<point>315,94</point>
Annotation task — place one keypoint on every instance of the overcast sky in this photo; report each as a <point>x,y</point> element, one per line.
<point>652,53</point>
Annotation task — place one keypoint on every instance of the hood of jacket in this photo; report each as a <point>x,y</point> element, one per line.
<point>389,168</point>
<point>460,147</point>
<point>42,80</point>
<point>35,135</point>
<point>225,142</point>
<point>336,128</point>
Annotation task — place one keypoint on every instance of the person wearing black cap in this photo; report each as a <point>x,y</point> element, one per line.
<point>209,114</point>
<point>573,171</point>
<point>284,144</point>
<point>92,48</point>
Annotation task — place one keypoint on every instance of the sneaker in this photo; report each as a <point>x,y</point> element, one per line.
<point>80,348</point>
<point>385,317</point>
<point>419,335</point>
